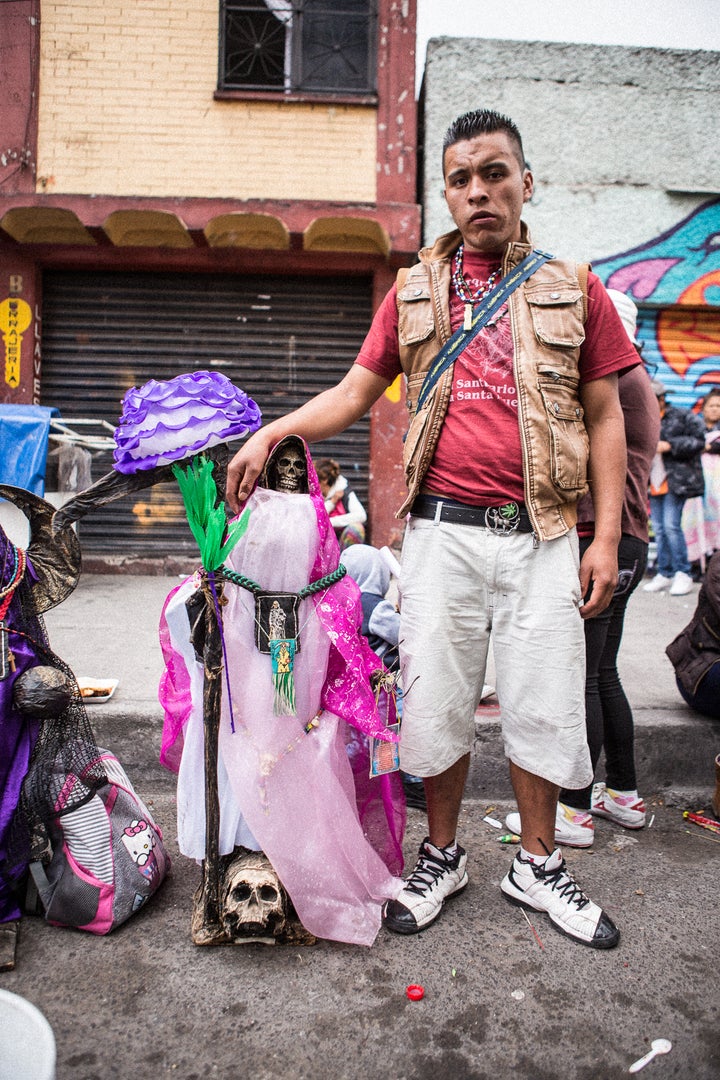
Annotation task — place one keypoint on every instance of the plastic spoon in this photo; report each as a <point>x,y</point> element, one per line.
<point>657,1046</point>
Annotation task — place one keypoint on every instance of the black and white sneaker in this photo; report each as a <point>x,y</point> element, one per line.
<point>436,877</point>
<point>550,888</point>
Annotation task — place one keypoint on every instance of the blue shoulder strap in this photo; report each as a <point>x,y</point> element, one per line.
<point>481,316</point>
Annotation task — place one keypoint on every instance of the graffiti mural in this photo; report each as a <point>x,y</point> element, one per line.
<point>675,281</point>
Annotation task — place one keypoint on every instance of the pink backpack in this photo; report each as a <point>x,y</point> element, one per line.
<point>108,856</point>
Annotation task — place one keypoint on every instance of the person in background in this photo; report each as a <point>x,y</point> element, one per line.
<point>695,652</point>
<point>701,517</point>
<point>608,715</point>
<point>381,627</point>
<point>347,514</point>
<point>695,656</point>
<point>381,618</point>
<point>676,475</point>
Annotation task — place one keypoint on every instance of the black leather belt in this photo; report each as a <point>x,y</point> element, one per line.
<point>508,518</point>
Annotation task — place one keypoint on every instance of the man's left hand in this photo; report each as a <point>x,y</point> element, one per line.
<point>598,577</point>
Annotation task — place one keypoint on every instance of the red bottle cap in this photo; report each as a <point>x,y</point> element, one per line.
<point>415,993</point>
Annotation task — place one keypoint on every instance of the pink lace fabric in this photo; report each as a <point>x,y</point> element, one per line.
<point>333,835</point>
<point>175,692</point>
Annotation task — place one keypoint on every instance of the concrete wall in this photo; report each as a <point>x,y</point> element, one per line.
<point>127,108</point>
<point>623,143</point>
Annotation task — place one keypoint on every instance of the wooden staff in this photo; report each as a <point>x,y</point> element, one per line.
<point>206,927</point>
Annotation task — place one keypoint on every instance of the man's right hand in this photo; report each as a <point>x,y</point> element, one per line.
<point>245,468</point>
<point>323,416</point>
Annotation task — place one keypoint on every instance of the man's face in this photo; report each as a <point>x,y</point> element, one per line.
<point>485,190</point>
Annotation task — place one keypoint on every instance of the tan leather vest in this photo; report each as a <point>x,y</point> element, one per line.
<point>547,320</point>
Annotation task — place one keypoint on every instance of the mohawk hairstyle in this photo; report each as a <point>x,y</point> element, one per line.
<point>482,122</point>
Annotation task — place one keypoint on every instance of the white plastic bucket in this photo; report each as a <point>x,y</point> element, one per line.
<point>27,1043</point>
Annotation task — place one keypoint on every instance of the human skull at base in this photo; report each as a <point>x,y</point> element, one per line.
<point>254,906</point>
<point>253,903</point>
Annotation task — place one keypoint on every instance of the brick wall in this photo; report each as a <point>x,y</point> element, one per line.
<point>127,108</point>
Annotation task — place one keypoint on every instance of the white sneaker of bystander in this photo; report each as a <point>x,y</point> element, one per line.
<point>658,583</point>
<point>682,584</point>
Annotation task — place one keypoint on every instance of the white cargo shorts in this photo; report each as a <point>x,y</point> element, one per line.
<point>459,585</point>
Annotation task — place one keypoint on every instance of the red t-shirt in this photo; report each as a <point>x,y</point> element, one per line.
<point>478,458</point>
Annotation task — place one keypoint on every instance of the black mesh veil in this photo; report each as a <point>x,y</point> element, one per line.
<point>65,746</point>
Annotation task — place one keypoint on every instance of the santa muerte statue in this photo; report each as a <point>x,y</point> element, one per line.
<point>35,685</point>
<point>271,696</point>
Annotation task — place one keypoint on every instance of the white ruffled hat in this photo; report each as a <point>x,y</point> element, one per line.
<point>627,311</point>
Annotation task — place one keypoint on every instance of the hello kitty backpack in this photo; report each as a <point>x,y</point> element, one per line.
<point>105,857</point>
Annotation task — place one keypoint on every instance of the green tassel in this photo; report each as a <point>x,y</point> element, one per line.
<point>282,653</point>
<point>208,521</point>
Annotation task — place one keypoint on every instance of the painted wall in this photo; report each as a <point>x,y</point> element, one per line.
<point>127,108</point>
<point>623,143</point>
<point>675,281</point>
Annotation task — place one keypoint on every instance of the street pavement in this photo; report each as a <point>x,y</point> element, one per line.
<point>504,997</point>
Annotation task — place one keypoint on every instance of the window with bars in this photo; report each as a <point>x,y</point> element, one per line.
<point>298,46</point>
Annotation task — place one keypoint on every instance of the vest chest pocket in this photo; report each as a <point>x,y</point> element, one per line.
<point>569,443</point>
<point>415,313</point>
<point>556,312</point>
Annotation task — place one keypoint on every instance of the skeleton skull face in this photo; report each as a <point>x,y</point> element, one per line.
<point>291,470</point>
<point>254,905</point>
<point>287,469</point>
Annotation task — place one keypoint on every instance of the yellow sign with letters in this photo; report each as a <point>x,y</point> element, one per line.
<point>15,318</point>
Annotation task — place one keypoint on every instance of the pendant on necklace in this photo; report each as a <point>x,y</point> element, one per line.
<point>467,323</point>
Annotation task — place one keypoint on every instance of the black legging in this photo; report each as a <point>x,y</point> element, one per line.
<point>608,714</point>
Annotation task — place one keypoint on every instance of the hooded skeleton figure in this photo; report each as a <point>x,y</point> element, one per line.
<point>258,776</point>
<point>31,685</point>
<point>288,784</point>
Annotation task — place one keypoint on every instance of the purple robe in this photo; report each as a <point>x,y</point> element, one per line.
<point>18,733</point>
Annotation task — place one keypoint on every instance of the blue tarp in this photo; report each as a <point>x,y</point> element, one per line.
<point>24,431</point>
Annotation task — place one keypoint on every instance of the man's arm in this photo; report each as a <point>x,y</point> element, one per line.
<point>319,418</point>
<point>607,473</point>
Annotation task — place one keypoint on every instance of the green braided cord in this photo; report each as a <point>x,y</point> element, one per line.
<point>323,582</point>
<point>309,590</point>
<point>238,579</point>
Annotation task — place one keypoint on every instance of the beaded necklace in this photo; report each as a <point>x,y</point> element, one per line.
<point>15,577</point>
<point>462,289</point>
<point>7,591</point>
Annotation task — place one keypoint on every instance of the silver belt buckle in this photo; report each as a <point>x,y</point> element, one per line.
<point>503,519</point>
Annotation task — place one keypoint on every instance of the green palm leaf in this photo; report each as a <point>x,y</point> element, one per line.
<point>208,521</point>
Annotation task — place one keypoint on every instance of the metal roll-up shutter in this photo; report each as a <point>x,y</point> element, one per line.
<point>280,339</point>
<point>681,347</point>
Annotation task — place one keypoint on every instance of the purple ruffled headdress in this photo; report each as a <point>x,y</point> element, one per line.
<point>162,422</point>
